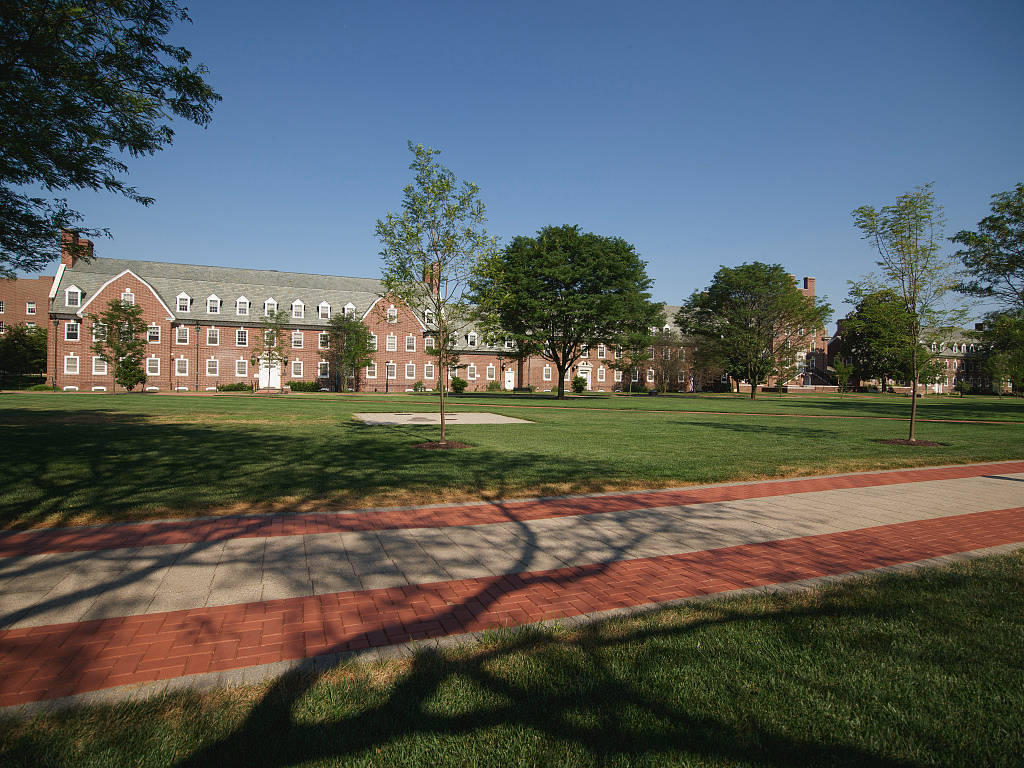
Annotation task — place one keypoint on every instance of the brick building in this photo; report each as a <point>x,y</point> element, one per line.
<point>24,301</point>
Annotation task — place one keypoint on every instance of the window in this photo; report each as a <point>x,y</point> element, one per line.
<point>298,310</point>
<point>70,331</point>
<point>73,296</point>
<point>324,340</point>
<point>212,337</point>
<point>392,314</point>
<point>547,373</point>
<point>241,338</point>
<point>323,369</point>
<point>391,344</point>
<point>152,334</point>
<point>184,302</point>
<point>410,370</point>
<point>410,343</point>
<point>428,371</point>
<point>600,374</point>
<point>371,371</point>
<point>242,306</point>
<point>30,307</point>
<point>602,350</point>
<point>296,369</point>
<point>213,367</point>
<point>428,316</point>
<point>350,310</point>
<point>30,325</point>
<point>681,377</point>
<point>491,373</point>
<point>99,366</point>
<point>152,366</point>
<point>99,332</point>
<point>428,343</point>
<point>584,350</point>
<point>71,365</point>
<point>391,370</point>
<point>181,366</point>
<point>618,354</point>
<point>213,305</point>
<point>269,307</point>
<point>296,339</point>
<point>181,334</point>
<point>510,344</point>
<point>2,326</point>
<point>1,307</point>
<point>241,367</point>
<point>452,373</point>
<point>618,376</point>
<point>471,372</point>
<point>373,342</point>
<point>128,297</point>
<point>667,353</point>
<point>324,310</point>
<point>471,339</point>
<point>650,375</point>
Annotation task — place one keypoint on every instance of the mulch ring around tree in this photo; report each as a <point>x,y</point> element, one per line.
<point>441,446</point>
<point>913,443</point>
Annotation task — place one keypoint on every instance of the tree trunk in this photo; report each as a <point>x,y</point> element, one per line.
<point>444,386</point>
<point>561,383</point>
<point>753,389</point>
<point>913,397</point>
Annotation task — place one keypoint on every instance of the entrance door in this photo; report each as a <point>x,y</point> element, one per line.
<point>585,373</point>
<point>270,376</point>
<point>510,379</point>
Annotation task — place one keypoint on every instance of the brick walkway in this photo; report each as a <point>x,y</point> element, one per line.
<point>452,570</point>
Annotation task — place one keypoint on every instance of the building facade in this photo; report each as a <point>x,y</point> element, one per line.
<point>24,301</point>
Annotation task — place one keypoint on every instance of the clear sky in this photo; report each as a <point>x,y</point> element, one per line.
<point>705,133</point>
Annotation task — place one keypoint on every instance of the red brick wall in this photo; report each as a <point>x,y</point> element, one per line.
<point>15,294</point>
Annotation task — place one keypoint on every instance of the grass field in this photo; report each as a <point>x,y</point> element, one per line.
<point>907,670</point>
<point>79,458</point>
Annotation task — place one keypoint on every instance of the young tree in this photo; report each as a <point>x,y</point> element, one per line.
<point>993,256</point>
<point>565,289</point>
<point>87,83</point>
<point>754,319</point>
<point>271,349</point>
<point>429,253</point>
<point>348,348</point>
<point>22,351</point>
<point>907,236</point>
<point>844,373</point>
<point>120,340</point>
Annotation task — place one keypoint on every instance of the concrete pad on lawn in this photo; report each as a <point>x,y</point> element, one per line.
<point>434,419</point>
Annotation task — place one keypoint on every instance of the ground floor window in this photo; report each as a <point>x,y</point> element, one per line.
<point>181,366</point>
<point>410,370</point>
<point>71,365</point>
<point>650,375</point>
<point>547,373</point>
<point>296,369</point>
<point>212,367</point>
<point>391,370</point>
<point>618,376</point>
<point>371,371</point>
<point>471,372</point>
<point>428,371</point>
<point>241,367</point>
<point>153,366</point>
<point>491,373</point>
<point>324,369</point>
<point>99,366</point>
<point>600,374</point>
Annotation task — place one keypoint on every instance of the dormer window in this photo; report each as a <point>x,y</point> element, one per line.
<point>324,310</point>
<point>213,305</point>
<point>128,297</point>
<point>269,307</point>
<point>242,306</point>
<point>298,310</point>
<point>392,314</point>
<point>510,344</point>
<point>471,339</point>
<point>73,296</point>
<point>428,316</point>
<point>350,310</point>
<point>184,302</point>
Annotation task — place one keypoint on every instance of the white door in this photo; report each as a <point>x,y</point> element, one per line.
<point>270,376</point>
<point>510,379</point>
<point>585,373</point>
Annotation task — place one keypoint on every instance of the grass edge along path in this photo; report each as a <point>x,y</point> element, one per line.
<point>920,668</point>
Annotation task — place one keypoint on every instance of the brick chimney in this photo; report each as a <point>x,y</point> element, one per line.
<point>431,276</point>
<point>808,286</point>
<point>73,248</point>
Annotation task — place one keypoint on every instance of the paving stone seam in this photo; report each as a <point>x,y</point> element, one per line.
<point>206,681</point>
<point>475,513</point>
<point>58,660</point>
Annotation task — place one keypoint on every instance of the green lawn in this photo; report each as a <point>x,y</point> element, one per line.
<point>910,670</point>
<point>77,458</point>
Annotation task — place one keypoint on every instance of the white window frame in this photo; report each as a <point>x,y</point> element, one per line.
<point>128,297</point>
<point>323,369</point>
<point>242,303</point>
<point>618,354</point>
<point>349,310</point>
<point>242,337</point>
<point>30,307</point>
<point>183,297</point>
<point>373,342</point>
<point>636,375</point>
<point>151,369</point>
<point>471,374</point>
<point>149,334</point>
<point>178,334</point>
<point>324,311</point>
<point>510,344</point>
<point>491,372</point>
<point>97,326</point>
<point>179,369</point>
<point>67,365</point>
<point>410,343</point>
<point>411,375</point>
<point>617,376</point>
<point>546,373</point>
<point>298,336</point>
<point>428,371</point>
<point>323,340</point>
<point>429,343</point>
<point>216,367</point>
<point>267,305</point>
<point>99,366</point>
<point>213,337</point>
<point>471,340</point>
<point>68,335</point>
<point>392,314</point>
<point>371,371</point>
<point>1,306</point>
<point>242,368</point>
<point>391,343</point>
<point>602,350</point>
<point>298,310</point>
<point>428,316</point>
<point>296,369</point>
<point>391,370</point>
<point>213,304</point>
<point>71,289</point>
<point>584,351</point>
<point>600,374</point>
<point>650,375</point>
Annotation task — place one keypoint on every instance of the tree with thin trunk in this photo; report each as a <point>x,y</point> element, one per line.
<point>119,339</point>
<point>908,237</point>
<point>271,349</point>
<point>430,250</point>
<point>347,350</point>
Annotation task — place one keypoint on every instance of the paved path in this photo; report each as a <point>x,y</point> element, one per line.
<point>80,611</point>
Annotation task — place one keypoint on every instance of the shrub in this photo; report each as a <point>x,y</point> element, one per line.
<point>458,385</point>
<point>305,386</point>
<point>578,384</point>
<point>493,386</point>
<point>238,386</point>
<point>417,386</point>
<point>39,388</point>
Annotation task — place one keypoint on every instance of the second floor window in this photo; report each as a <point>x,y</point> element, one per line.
<point>153,334</point>
<point>71,332</point>
<point>181,335</point>
<point>212,337</point>
<point>241,337</point>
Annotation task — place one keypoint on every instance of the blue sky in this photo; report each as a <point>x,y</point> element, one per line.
<point>703,133</point>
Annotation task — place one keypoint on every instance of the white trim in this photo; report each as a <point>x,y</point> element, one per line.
<point>99,389</point>
<point>214,297</point>
<point>70,389</point>
<point>78,365</point>
<point>217,366</point>
<point>98,359</point>
<point>77,290</point>
<point>156,360</point>
<point>407,376</point>
<point>152,389</point>
<point>297,373</point>
<point>170,315</point>
<point>212,329</point>
<point>320,310</point>
<point>248,307</point>
<point>56,281</point>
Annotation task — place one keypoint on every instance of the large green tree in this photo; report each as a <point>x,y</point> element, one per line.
<point>993,256</point>
<point>348,349</point>
<point>86,84</point>
<point>22,351</point>
<point>876,335</point>
<point>907,236</point>
<point>565,289</point>
<point>430,250</point>
<point>753,319</point>
<point>119,338</point>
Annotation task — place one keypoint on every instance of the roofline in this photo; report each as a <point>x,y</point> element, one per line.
<point>56,280</point>
<point>237,269</point>
<point>170,315</point>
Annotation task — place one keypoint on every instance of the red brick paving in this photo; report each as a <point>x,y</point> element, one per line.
<point>191,531</point>
<point>46,662</point>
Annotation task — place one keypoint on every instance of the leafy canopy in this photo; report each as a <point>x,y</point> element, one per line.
<point>22,350</point>
<point>86,83</point>
<point>119,339</point>
<point>876,335</point>
<point>993,256</point>
<point>565,289</point>
<point>348,348</point>
<point>752,320</point>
